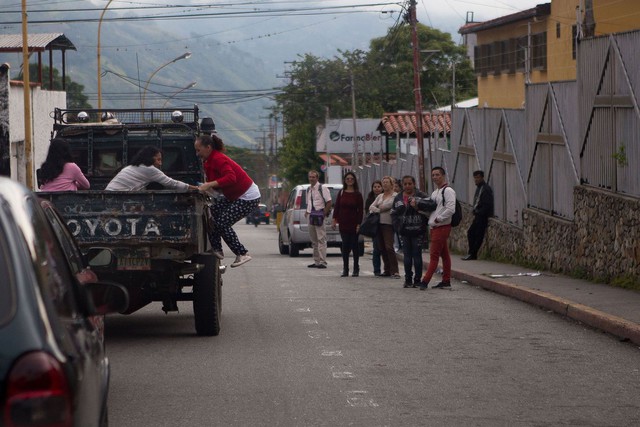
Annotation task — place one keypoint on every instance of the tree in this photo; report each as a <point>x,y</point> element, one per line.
<point>383,82</point>
<point>76,99</point>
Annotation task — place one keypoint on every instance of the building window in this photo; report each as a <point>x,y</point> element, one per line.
<point>558,30</point>
<point>574,40</point>
<point>539,51</point>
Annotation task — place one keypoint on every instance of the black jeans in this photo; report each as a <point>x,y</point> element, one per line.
<point>476,233</point>
<point>350,244</point>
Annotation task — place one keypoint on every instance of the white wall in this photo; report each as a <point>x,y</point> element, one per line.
<point>43,103</point>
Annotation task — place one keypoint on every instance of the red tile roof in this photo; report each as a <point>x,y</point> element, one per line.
<point>405,123</point>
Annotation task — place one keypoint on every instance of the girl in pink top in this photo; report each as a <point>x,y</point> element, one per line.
<point>58,172</point>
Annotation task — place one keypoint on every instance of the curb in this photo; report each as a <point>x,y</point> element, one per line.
<point>614,325</point>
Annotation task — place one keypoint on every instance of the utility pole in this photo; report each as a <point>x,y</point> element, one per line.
<point>355,161</point>
<point>418,95</point>
<point>28,146</point>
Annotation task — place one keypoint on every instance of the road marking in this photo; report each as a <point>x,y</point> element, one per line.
<point>318,334</point>
<point>309,321</point>
<point>343,375</point>
<point>332,353</point>
<point>357,399</point>
<point>303,310</point>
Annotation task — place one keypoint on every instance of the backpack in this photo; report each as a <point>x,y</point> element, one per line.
<point>456,219</point>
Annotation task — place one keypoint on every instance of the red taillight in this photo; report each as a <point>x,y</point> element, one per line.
<point>267,214</point>
<point>298,201</point>
<point>37,393</point>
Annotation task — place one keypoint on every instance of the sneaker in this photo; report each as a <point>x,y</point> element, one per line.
<point>314,265</point>
<point>218,254</point>
<point>321,266</point>
<point>407,284</point>
<point>423,285</point>
<point>241,259</point>
<point>443,285</point>
<point>395,276</point>
<point>416,283</point>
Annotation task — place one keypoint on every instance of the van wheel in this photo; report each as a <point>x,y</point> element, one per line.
<point>207,292</point>
<point>284,249</point>
<point>294,250</point>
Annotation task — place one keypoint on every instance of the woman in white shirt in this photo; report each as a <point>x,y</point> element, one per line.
<point>383,205</point>
<point>143,170</point>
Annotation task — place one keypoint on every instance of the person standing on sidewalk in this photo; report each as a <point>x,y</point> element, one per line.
<point>482,211</point>
<point>318,199</point>
<point>412,227</point>
<point>240,196</point>
<point>440,228</point>
<point>384,239</point>
<point>347,214</point>
<point>376,188</point>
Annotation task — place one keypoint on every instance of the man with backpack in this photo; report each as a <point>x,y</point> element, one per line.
<point>439,229</point>
<point>318,208</point>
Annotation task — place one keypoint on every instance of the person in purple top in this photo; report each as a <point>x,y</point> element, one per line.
<point>59,172</point>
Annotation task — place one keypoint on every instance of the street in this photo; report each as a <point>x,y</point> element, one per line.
<point>304,347</point>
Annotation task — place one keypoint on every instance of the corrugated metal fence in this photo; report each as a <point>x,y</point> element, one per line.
<point>570,133</point>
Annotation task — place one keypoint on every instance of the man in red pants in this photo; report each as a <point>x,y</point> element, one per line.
<point>439,229</point>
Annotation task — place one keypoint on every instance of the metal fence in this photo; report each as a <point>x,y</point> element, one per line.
<point>569,133</point>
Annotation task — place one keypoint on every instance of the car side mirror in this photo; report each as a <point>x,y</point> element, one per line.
<point>100,257</point>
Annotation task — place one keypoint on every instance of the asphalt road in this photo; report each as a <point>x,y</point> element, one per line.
<point>304,347</point>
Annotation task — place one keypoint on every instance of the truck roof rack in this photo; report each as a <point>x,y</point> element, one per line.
<point>141,118</point>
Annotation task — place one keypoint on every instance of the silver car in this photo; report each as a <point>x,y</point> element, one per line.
<point>293,233</point>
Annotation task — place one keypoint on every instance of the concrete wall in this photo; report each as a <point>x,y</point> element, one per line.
<point>43,103</point>
<point>602,242</point>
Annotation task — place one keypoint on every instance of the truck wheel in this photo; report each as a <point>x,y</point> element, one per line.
<point>284,249</point>
<point>207,296</point>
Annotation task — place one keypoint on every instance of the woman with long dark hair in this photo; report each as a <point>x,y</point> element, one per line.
<point>59,172</point>
<point>241,196</point>
<point>347,213</point>
<point>144,169</point>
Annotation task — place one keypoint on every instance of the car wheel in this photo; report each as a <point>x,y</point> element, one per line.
<point>207,289</point>
<point>284,249</point>
<point>294,250</point>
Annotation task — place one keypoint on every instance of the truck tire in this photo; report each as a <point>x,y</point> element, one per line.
<point>207,296</point>
<point>284,249</point>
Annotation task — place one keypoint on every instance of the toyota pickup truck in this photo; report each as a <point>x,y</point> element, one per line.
<point>159,237</point>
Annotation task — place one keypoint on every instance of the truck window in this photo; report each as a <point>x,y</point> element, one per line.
<point>107,162</point>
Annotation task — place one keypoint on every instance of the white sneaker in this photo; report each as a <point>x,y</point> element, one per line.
<point>219,255</point>
<point>241,259</point>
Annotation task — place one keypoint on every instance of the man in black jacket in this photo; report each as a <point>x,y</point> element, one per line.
<point>482,211</point>
<point>411,225</point>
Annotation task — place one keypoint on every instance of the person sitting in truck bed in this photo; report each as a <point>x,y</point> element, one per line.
<point>143,170</point>
<point>59,172</point>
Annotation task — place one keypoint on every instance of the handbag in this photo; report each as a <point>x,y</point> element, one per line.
<point>316,217</point>
<point>370,225</point>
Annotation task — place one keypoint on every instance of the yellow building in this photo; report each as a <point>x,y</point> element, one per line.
<point>539,44</point>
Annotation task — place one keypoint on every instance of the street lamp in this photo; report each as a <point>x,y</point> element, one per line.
<point>189,86</point>
<point>186,55</point>
<point>99,64</point>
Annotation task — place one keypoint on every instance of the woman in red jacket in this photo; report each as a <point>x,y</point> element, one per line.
<point>241,196</point>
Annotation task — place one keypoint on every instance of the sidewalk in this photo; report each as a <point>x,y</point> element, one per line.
<point>612,310</point>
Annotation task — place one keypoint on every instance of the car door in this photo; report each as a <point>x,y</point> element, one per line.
<point>76,335</point>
